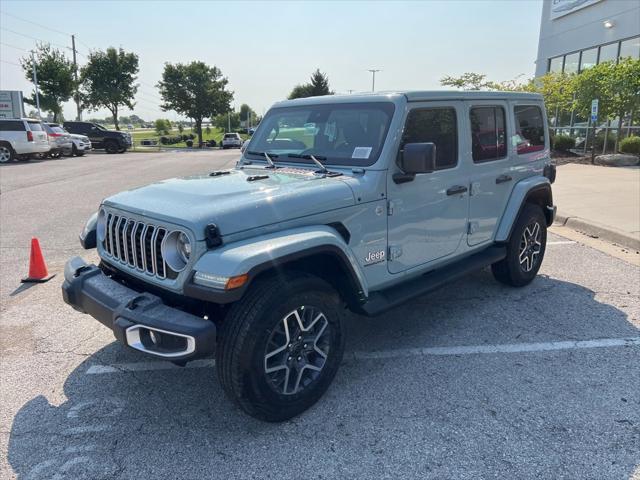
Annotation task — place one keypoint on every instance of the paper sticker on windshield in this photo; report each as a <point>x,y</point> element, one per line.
<point>361,152</point>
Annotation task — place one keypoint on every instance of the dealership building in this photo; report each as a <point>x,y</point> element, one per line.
<point>577,34</point>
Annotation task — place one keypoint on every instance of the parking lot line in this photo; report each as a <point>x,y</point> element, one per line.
<point>562,242</point>
<point>398,353</point>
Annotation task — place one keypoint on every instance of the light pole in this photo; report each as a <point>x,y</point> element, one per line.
<point>373,83</point>
<point>35,82</point>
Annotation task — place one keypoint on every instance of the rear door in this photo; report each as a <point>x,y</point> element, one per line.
<point>427,216</point>
<point>491,176</point>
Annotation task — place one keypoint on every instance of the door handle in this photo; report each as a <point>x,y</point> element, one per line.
<point>503,179</point>
<point>455,190</point>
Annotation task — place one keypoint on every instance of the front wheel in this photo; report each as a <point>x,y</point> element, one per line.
<point>281,346</point>
<point>525,249</point>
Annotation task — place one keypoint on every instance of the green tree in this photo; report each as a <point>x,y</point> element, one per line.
<point>247,113</point>
<point>108,80</point>
<point>478,81</point>
<point>318,86</point>
<point>195,90</point>
<point>55,79</point>
<point>625,88</point>
<point>557,89</point>
<point>467,81</point>
<point>162,126</point>
<point>221,121</point>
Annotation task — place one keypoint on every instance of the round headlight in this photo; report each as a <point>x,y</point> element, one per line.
<point>101,226</point>
<point>176,250</point>
<point>184,247</point>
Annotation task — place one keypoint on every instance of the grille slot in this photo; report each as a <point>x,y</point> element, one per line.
<point>137,245</point>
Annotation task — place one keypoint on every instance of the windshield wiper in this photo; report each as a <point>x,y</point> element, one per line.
<point>315,159</point>
<point>267,156</point>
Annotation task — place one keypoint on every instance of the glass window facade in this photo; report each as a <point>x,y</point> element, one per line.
<point>589,58</point>
<point>555,64</point>
<point>571,63</point>
<point>630,48</point>
<point>608,53</point>
<point>577,61</point>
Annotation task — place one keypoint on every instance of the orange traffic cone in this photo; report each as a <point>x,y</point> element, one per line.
<point>38,272</point>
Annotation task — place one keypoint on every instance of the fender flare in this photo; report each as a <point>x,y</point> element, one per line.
<point>522,191</point>
<point>254,256</point>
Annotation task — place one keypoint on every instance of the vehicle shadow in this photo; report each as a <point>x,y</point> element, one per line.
<point>519,416</point>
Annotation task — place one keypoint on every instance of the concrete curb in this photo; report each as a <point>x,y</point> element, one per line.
<point>598,230</point>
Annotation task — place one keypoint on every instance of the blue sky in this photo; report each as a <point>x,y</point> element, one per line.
<point>265,48</point>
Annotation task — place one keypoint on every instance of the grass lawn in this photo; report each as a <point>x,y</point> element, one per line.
<point>214,134</point>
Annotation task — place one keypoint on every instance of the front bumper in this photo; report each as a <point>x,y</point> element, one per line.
<point>140,320</point>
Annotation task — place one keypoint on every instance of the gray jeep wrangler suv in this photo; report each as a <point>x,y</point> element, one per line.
<point>359,201</point>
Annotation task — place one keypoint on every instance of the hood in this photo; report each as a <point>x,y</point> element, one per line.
<point>236,201</point>
<point>78,136</point>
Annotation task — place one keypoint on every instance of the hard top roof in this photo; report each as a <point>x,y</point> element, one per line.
<point>413,96</point>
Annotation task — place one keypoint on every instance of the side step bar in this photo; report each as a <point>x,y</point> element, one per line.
<point>383,300</point>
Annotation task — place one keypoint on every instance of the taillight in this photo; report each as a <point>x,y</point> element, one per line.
<point>29,136</point>
<point>55,134</point>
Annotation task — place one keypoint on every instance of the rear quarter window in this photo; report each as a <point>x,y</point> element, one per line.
<point>35,126</point>
<point>12,126</point>
<point>529,129</point>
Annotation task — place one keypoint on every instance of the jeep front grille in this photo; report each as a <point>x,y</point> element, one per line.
<point>136,244</point>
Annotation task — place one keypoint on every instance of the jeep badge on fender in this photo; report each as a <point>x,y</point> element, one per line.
<point>255,264</point>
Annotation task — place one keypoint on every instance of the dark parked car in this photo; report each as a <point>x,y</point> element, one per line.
<point>112,141</point>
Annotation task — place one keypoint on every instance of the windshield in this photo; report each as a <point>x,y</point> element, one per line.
<point>339,133</point>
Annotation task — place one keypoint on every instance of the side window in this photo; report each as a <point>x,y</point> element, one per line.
<point>12,126</point>
<point>488,136</point>
<point>438,126</point>
<point>529,129</point>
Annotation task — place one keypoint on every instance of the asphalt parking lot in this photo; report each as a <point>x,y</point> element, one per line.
<point>476,380</point>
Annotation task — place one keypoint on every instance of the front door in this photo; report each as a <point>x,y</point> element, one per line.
<point>491,178</point>
<point>427,216</point>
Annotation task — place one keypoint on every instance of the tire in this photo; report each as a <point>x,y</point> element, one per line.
<point>525,249</point>
<point>6,153</point>
<point>111,147</point>
<point>122,150</point>
<point>253,339</point>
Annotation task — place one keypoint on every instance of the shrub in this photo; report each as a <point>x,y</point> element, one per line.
<point>164,140</point>
<point>185,138</point>
<point>192,136</point>
<point>189,143</point>
<point>599,141</point>
<point>630,145</point>
<point>563,142</point>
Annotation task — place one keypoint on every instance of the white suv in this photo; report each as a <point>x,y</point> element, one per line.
<point>21,137</point>
<point>231,140</point>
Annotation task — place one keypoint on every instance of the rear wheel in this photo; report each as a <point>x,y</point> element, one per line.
<point>6,153</point>
<point>525,249</point>
<point>281,346</point>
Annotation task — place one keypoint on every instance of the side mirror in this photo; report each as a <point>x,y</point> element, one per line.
<point>416,158</point>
